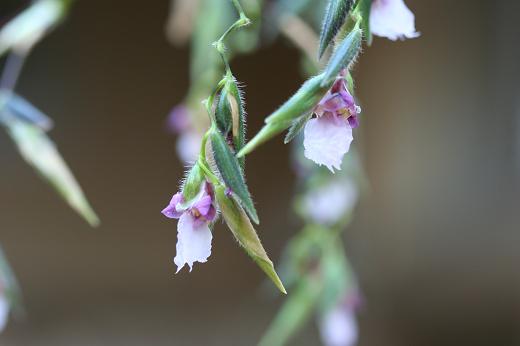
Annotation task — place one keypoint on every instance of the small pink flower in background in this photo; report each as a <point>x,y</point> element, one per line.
<point>392,19</point>
<point>193,233</point>
<point>4,307</point>
<point>327,204</point>
<point>338,327</point>
<point>189,140</point>
<point>327,137</point>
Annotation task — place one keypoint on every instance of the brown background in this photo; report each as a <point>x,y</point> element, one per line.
<point>435,243</point>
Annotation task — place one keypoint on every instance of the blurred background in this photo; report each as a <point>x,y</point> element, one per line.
<point>435,243</point>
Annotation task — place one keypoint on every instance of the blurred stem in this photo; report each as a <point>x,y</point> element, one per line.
<point>12,69</point>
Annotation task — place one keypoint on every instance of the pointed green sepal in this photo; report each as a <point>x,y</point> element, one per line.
<point>334,18</point>
<point>296,127</point>
<point>245,234</point>
<point>194,179</point>
<point>364,7</point>
<point>41,153</point>
<point>302,102</point>
<point>230,171</point>
<point>343,56</point>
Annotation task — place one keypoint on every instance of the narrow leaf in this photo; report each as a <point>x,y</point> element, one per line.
<point>303,101</point>
<point>230,171</point>
<point>245,234</point>
<point>296,127</point>
<point>41,153</point>
<point>335,14</point>
<point>344,54</point>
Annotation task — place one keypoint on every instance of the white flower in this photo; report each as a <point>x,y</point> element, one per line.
<point>193,233</point>
<point>193,241</point>
<point>327,204</point>
<point>339,327</point>
<point>326,140</point>
<point>392,19</point>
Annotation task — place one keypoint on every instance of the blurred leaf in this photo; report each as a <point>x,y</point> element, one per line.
<point>22,109</point>
<point>40,152</point>
<point>344,54</point>
<point>294,313</point>
<point>296,127</point>
<point>335,14</point>
<point>11,286</point>
<point>230,171</point>
<point>245,234</point>
<point>28,27</point>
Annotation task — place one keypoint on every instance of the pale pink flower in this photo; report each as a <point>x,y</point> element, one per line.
<point>328,204</point>
<point>338,326</point>
<point>193,233</point>
<point>327,137</point>
<point>189,140</point>
<point>392,19</point>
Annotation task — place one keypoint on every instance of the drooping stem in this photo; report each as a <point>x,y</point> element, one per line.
<point>242,21</point>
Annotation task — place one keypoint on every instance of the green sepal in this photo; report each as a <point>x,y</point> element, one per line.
<point>295,312</point>
<point>41,153</point>
<point>223,115</point>
<point>296,127</point>
<point>344,54</point>
<point>245,234</point>
<point>231,173</point>
<point>364,7</point>
<point>302,102</point>
<point>194,179</point>
<point>335,14</point>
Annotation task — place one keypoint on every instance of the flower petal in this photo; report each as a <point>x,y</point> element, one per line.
<point>171,210</point>
<point>392,19</point>
<point>4,311</point>
<point>327,204</point>
<point>193,242</point>
<point>326,140</point>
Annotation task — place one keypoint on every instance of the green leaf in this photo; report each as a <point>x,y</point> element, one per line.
<point>302,102</point>
<point>41,153</point>
<point>335,14</point>
<point>344,54</point>
<point>296,127</point>
<point>295,312</point>
<point>245,234</point>
<point>230,171</point>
